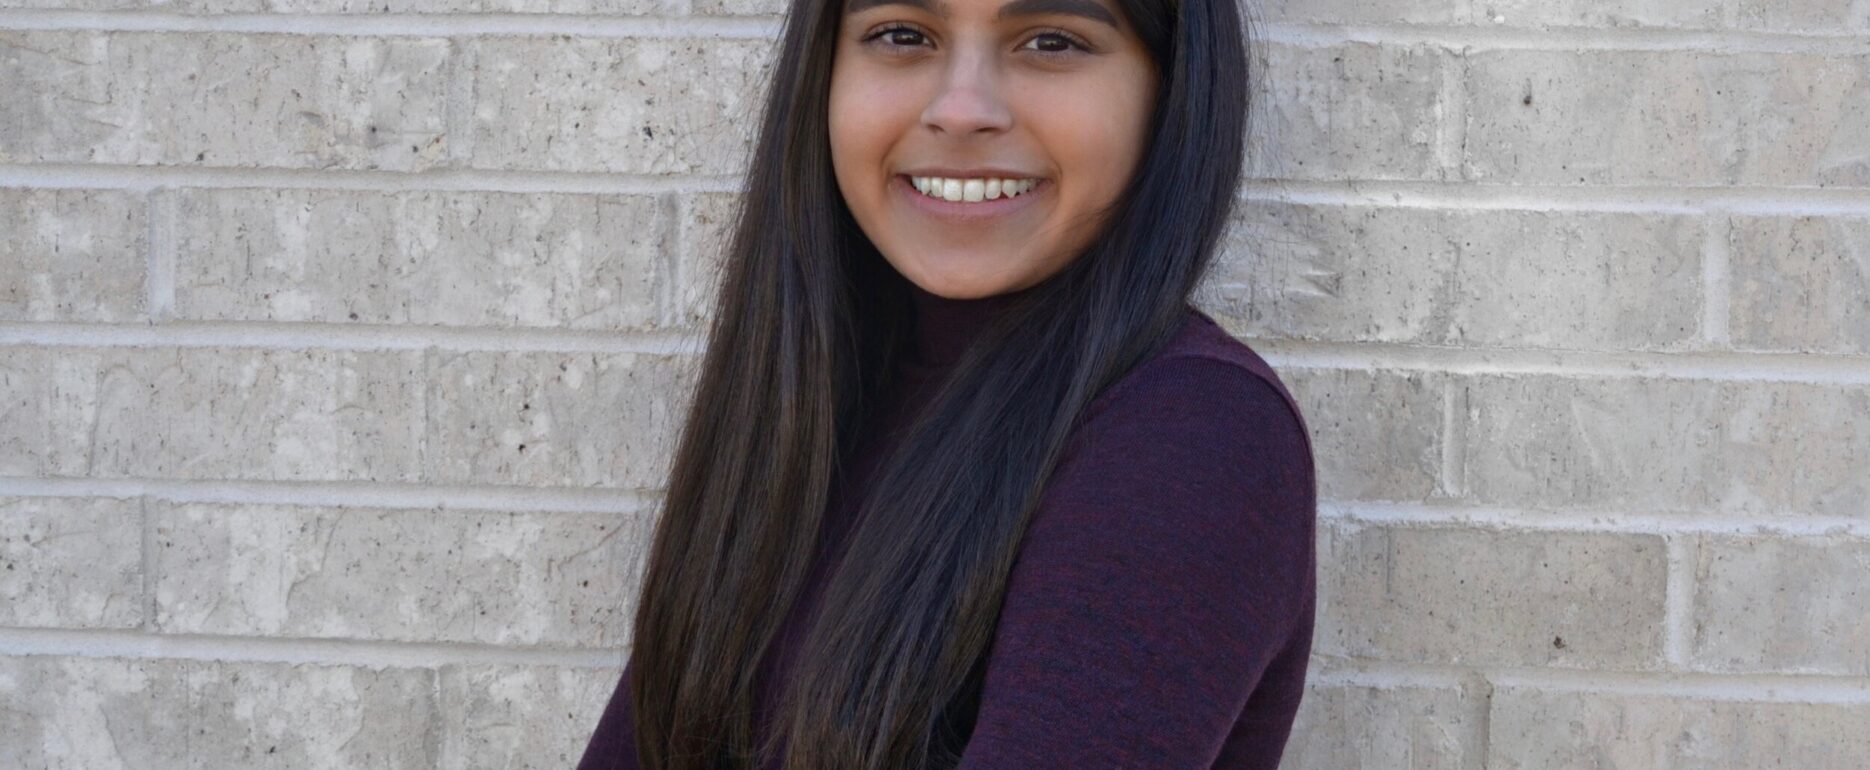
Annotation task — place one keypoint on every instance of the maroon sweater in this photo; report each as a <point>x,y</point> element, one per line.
<point>1159,613</point>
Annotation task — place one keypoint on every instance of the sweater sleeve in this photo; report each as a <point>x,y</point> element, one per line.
<point>1168,564</point>
<point>613,744</point>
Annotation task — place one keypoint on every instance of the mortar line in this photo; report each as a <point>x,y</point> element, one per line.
<point>346,494</point>
<point>123,177</point>
<point>1711,366</point>
<point>1335,671</point>
<point>1574,40</point>
<point>1699,366</point>
<point>1466,196</point>
<point>352,336</point>
<point>1479,37</point>
<point>1453,441</point>
<point>1451,119</point>
<point>160,206</point>
<point>151,580</point>
<point>1482,731</point>
<point>643,502</point>
<point>1643,199</point>
<point>1679,598</point>
<point>463,84</point>
<point>593,26</point>
<point>673,287</point>
<point>107,643</point>
<point>437,733</point>
<point>1463,410</point>
<point>425,459</point>
<point>1595,521</point>
<point>1704,686</point>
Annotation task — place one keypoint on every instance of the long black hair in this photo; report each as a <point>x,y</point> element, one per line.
<point>806,319</point>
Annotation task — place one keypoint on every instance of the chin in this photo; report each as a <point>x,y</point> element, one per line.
<point>962,273</point>
<point>962,284</point>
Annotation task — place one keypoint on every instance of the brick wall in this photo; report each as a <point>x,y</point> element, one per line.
<point>342,342</point>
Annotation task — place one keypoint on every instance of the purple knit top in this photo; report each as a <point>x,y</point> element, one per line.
<point>1159,613</point>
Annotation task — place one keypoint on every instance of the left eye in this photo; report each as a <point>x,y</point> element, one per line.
<point>1052,42</point>
<point>903,36</point>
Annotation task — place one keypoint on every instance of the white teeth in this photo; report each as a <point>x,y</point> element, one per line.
<point>971,190</point>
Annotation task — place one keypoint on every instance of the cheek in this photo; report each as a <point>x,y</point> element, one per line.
<point>1094,132</point>
<point>846,129</point>
<point>862,128</point>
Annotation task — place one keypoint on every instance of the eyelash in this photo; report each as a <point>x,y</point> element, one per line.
<point>1070,39</point>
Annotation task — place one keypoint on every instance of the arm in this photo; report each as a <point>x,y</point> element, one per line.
<point>613,744</point>
<point>1168,564</point>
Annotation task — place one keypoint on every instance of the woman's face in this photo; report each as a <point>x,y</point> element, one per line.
<point>1022,120</point>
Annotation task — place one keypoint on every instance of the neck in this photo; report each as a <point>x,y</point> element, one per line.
<point>945,327</point>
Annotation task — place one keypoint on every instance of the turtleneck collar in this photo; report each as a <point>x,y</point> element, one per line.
<point>944,327</point>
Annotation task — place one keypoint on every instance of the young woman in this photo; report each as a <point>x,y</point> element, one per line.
<point>967,481</point>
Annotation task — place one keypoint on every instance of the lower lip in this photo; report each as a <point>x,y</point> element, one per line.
<point>969,212</point>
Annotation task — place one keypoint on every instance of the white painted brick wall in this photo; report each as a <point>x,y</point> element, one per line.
<point>342,343</point>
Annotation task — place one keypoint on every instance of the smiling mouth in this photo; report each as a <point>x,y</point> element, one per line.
<point>971,190</point>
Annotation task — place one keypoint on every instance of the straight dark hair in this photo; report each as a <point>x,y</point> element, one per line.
<point>807,319</point>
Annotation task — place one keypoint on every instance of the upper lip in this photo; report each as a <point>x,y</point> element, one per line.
<point>969,173</point>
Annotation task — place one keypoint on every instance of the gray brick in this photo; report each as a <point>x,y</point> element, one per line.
<point>1376,435</point>
<point>1762,15</point>
<point>555,419</point>
<point>211,413</point>
<point>78,5</point>
<point>639,106</point>
<point>1534,730</point>
<point>71,562</point>
<point>1352,727</point>
<point>1666,117</point>
<point>349,6</point>
<point>1764,604</point>
<point>1800,283</point>
<point>1353,111</point>
<point>188,98</point>
<point>521,718</point>
<point>1481,597</point>
<point>606,7</point>
<point>51,410</point>
<point>739,7</point>
<point>1823,16</point>
<point>1651,444</point>
<point>113,713</point>
<point>565,579</point>
<point>1359,11</point>
<point>1589,280</point>
<point>1694,14</point>
<point>706,222</point>
<point>72,255</point>
<point>419,258</point>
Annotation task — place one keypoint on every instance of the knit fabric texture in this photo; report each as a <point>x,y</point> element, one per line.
<point>1159,613</point>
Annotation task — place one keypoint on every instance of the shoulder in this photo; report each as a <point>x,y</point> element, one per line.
<point>1205,427</point>
<point>1199,456</point>
<point>1209,384</point>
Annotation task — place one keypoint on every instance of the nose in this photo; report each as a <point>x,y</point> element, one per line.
<point>969,100</point>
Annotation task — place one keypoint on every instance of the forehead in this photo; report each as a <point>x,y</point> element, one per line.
<point>1090,9</point>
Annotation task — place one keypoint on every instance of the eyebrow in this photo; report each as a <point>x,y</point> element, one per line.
<point>1089,9</point>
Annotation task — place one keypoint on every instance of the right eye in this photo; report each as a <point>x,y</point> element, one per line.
<point>898,36</point>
